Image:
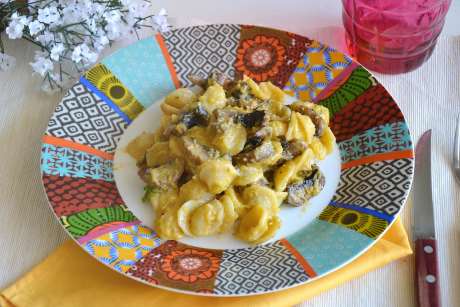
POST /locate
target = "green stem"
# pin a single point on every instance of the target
(36, 43)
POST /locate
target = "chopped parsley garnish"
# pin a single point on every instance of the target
(148, 191)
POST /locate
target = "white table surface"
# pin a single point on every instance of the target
(429, 97)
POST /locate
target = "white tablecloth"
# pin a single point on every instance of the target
(429, 97)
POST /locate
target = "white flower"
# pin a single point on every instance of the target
(42, 65)
(45, 38)
(82, 53)
(6, 62)
(35, 27)
(160, 21)
(16, 26)
(139, 7)
(101, 40)
(112, 16)
(48, 15)
(76, 55)
(113, 31)
(56, 51)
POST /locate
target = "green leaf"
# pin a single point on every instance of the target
(148, 191)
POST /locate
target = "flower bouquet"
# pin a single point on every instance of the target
(71, 34)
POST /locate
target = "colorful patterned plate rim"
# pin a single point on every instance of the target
(79, 144)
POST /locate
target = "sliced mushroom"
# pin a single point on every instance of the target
(251, 143)
(196, 152)
(143, 173)
(223, 119)
(310, 184)
(253, 119)
(292, 149)
(196, 117)
(317, 120)
(167, 175)
(197, 80)
(259, 153)
(215, 77)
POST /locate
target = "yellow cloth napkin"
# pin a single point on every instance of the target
(71, 277)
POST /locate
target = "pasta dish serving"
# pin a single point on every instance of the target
(228, 155)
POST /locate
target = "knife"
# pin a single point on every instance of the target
(426, 261)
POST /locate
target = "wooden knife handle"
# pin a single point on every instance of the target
(427, 275)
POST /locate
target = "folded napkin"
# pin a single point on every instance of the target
(71, 277)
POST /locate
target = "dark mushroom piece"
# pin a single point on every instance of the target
(259, 153)
(251, 143)
(291, 149)
(167, 175)
(196, 117)
(216, 77)
(253, 119)
(223, 119)
(144, 174)
(196, 152)
(317, 120)
(197, 80)
(311, 184)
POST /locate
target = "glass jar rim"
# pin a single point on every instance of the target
(392, 13)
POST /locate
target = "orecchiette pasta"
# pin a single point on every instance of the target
(207, 219)
(194, 189)
(319, 150)
(226, 160)
(300, 127)
(213, 98)
(254, 224)
(231, 141)
(248, 174)
(218, 175)
(177, 100)
(288, 170)
(166, 224)
(137, 147)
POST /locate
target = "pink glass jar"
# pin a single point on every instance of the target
(393, 36)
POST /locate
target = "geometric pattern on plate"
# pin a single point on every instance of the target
(69, 195)
(63, 161)
(356, 83)
(84, 118)
(326, 246)
(380, 139)
(111, 89)
(363, 223)
(141, 67)
(179, 266)
(379, 186)
(258, 269)
(318, 67)
(203, 49)
(265, 54)
(79, 224)
(372, 108)
(121, 248)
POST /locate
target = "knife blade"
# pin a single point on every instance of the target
(423, 198)
(426, 262)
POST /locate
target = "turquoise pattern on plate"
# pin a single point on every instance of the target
(380, 139)
(326, 246)
(142, 68)
(63, 161)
